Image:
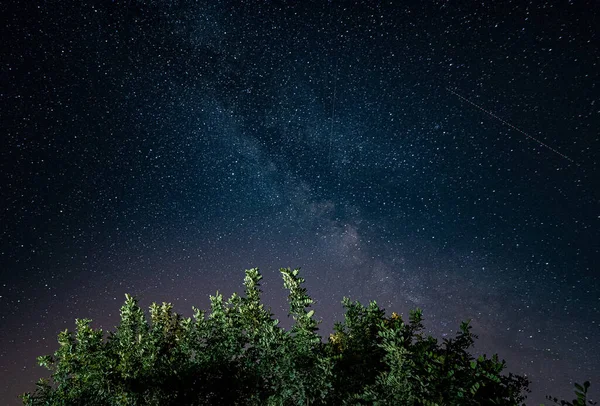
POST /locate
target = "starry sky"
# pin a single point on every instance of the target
(439, 154)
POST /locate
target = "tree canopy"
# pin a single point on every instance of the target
(237, 354)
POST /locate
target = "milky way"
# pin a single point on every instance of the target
(161, 148)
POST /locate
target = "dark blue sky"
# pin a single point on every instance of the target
(161, 148)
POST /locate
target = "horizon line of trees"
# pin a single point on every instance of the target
(239, 355)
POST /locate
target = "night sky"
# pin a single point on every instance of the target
(437, 154)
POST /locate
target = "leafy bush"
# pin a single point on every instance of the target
(238, 355)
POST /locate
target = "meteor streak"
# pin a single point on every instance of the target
(489, 113)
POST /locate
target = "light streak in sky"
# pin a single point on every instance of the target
(489, 113)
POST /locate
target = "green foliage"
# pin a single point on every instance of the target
(238, 355)
(581, 400)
